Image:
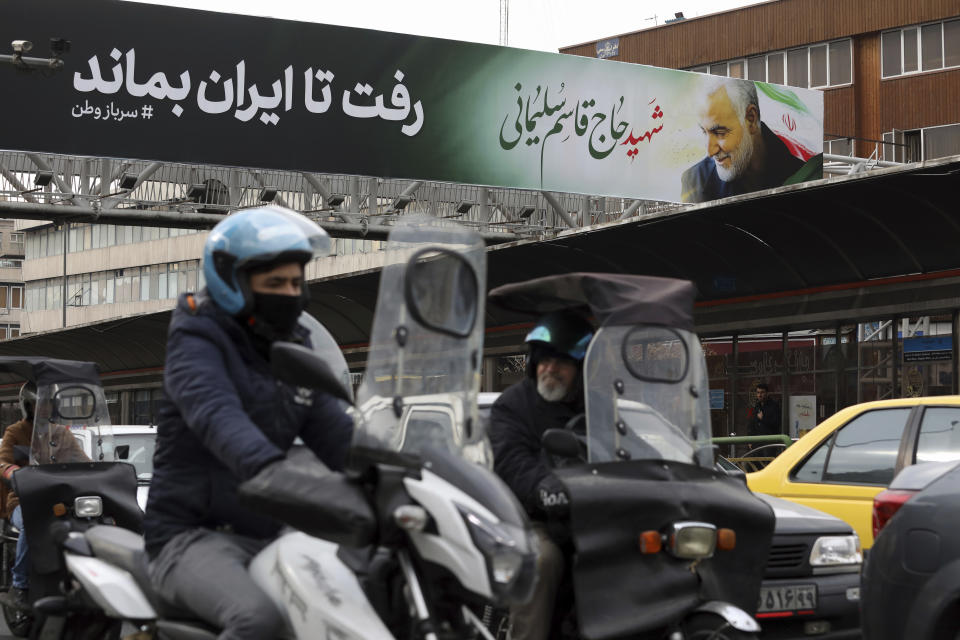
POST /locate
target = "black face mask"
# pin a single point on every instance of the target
(278, 312)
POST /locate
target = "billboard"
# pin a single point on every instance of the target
(163, 83)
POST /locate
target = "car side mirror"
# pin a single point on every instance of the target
(299, 366)
(561, 442)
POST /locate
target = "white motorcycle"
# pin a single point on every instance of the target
(414, 539)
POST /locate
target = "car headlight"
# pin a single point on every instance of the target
(88, 507)
(509, 552)
(831, 551)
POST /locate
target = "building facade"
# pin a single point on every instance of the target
(889, 70)
(890, 76)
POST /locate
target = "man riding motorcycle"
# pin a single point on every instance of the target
(18, 434)
(17, 439)
(225, 417)
(548, 397)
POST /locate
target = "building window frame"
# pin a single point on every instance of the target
(781, 55)
(918, 29)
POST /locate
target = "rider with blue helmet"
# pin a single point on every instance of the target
(548, 397)
(224, 417)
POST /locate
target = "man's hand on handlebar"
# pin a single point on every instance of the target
(552, 497)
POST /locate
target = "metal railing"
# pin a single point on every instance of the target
(94, 185)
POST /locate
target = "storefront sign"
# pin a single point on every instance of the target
(927, 348)
(716, 399)
(163, 83)
(608, 48)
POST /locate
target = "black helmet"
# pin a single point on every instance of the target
(559, 333)
(28, 400)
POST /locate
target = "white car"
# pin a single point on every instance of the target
(140, 442)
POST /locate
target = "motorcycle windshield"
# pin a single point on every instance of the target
(645, 391)
(325, 346)
(71, 424)
(423, 367)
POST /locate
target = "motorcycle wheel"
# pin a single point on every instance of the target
(18, 621)
(707, 626)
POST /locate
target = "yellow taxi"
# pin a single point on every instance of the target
(844, 462)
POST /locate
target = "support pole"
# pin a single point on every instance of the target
(559, 209)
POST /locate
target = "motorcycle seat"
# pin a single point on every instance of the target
(122, 548)
(125, 549)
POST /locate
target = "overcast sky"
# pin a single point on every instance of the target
(545, 25)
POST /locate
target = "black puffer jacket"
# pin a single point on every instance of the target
(517, 421)
(224, 417)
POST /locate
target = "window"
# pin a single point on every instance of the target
(910, 55)
(931, 46)
(841, 147)
(797, 67)
(840, 63)
(145, 402)
(172, 281)
(775, 68)
(939, 142)
(864, 451)
(16, 297)
(939, 439)
(951, 43)
(818, 66)
(916, 49)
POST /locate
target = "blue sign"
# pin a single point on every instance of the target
(927, 348)
(716, 399)
(608, 48)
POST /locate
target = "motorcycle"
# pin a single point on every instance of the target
(73, 480)
(416, 537)
(665, 546)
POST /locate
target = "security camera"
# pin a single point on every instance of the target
(21, 46)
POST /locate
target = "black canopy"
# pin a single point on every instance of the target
(611, 298)
(43, 371)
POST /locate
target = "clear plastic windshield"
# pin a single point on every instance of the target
(325, 346)
(71, 424)
(646, 396)
(423, 368)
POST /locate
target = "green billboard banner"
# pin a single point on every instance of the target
(162, 83)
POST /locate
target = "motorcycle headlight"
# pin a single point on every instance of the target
(831, 551)
(88, 507)
(510, 556)
(691, 540)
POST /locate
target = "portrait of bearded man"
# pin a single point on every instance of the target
(743, 154)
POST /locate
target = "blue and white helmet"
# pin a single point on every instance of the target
(254, 238)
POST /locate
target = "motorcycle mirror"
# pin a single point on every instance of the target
(561, 442)
(299, 366)
(121, 452)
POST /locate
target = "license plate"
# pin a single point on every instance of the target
(788, 598)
